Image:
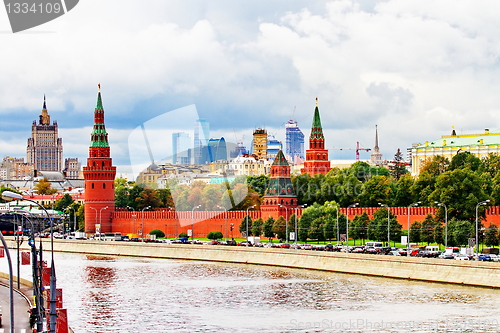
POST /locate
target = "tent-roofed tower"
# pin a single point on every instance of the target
(280, 196)
(99, 175)
(317, 161)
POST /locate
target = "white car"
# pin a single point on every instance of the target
(462, 257)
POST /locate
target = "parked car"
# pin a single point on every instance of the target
(462, 257)
(245, 243)
(285, 246)
(484, 257)
(445, 255)
(329, 247)
(307, 247)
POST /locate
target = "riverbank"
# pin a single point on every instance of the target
(471, 273)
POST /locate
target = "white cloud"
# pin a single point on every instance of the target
(414, 67)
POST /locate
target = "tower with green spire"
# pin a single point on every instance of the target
(99, 175)
(280, 196)
(317, 161)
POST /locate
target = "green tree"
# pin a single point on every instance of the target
(308, 215)
(329, 227)
(416, 227)
(491, 235)
(258, 183)
(267, 228)
(439, 234)
(148, 197)
(214, 235)
(398, 168)
(243, 225)
(43, 187)
(183, 235)
(374, 190)
(279, 228)
(465, 160)
(157, 232)
(257, 227)
(317, 228)
(427, 229)
(460, 190)
(64, 202)
(459, 232)
(490, 164)
(402, 195)
(358, 229)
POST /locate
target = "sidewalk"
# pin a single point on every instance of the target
(22, 305)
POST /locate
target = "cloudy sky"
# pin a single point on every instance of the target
(415, 68)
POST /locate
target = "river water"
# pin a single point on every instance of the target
(119, 294)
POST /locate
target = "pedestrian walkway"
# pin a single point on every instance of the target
(21, 307)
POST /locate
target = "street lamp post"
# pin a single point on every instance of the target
(225, 213)
(286, 222)
(296, 218)
(247, 223)
(11, 281)
(8, 195)
(388, 223)
(482, 203)
(96, 218)
(142, 226)
(409, 226)
(445, 222)
(347, 222)
(192, 222)
(100, 217)
(74, 217)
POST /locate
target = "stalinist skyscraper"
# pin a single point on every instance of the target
(45, 150)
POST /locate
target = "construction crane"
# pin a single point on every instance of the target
(357, 149)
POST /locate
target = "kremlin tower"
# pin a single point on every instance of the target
(99, 175)
(316, 156)
(280, 196)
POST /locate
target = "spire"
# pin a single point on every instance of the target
(99, 136)
(376, 139)
(44, 104)
(99, 101)
(317, 130)
(453, 133)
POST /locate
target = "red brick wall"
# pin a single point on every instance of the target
(173, 223)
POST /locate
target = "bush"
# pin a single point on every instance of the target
(215, 235)
(183, 235)
(157, 232)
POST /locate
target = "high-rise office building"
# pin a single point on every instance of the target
(273, 147)
(259, 143)
(294, 141)
(45, 150)
(217, 150)
(201, 136)
(180, 148)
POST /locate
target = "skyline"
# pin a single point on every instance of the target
(414, 68)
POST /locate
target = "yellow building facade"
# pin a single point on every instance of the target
(480, 145)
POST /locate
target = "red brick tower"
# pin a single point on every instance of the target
(316, 156)
(99, 175)
(280, 196)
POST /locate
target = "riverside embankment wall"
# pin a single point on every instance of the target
(473, 273)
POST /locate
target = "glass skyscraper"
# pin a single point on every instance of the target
(294, 141)
(201, 137)
(180, 148)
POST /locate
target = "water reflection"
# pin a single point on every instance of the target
(137, 295)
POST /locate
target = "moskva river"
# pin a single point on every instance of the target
(118, 294)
